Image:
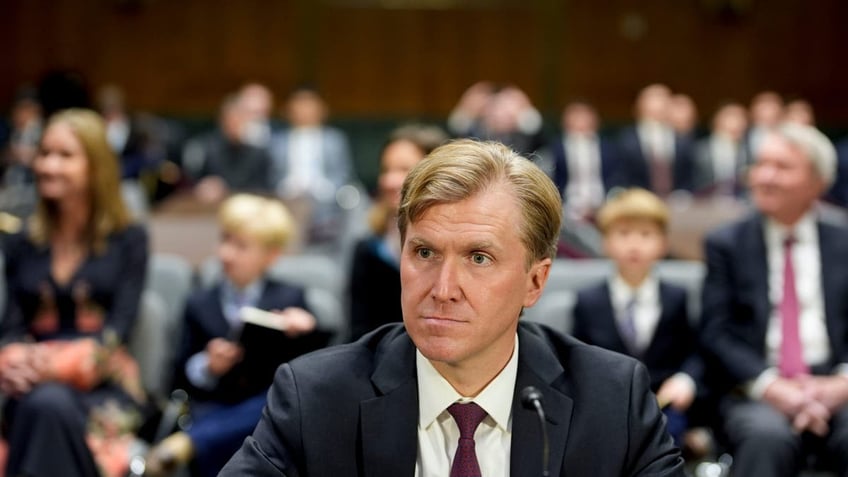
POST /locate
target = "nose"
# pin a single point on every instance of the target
(763, 174)
(47, 162)
(447, 286)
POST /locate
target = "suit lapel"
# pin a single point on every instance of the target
(753, 248)
(607, 319)
(389, 422)
(215, 323)
(538, 367)
(831, 282)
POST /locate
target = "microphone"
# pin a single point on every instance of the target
(531, 398)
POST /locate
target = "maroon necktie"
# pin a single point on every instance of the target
(467, 416)
(791, 360)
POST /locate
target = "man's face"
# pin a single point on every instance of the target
(783, 183)
(465, 279)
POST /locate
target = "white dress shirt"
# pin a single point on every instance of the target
(647, 307)
(438, 433)
(585, 190)
(724, 153)
(806, 261)
(306, 165)
(657, 140)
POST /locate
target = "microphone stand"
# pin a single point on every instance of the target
(531, 398)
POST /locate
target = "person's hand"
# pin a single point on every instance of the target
(676, 392)
(210, 190)
(830, 391)
(787, 396)
(17, 373)
(223, 355)
(297, 321)
(813, 417)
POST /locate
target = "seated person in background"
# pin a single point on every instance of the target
(775, 330)
(637, 314)
(226, 159)
(375, 273)
(722, 158)
(651, 154)
(226, 365)
(75, 277)
(311, 162)
(583, 162)
(497, 113)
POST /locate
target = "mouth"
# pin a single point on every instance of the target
(441, 319)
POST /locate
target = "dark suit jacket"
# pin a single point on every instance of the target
(352, 410)
(264, 349)
(374, 289)
(736, 306)
(632, 169)
(561, 173)
(241, 166)
(673, 347)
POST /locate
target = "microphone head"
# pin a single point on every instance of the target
(529, 396)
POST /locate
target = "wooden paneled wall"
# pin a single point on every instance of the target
(180, 57)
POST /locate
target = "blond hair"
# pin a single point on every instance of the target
(263, 219)
(462, 168)
(108, 214)
(633, 204)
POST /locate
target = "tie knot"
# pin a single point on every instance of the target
(467, 416)
(789, 240)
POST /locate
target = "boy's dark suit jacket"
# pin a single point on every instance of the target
(736, 306)
(673, 347)
(352, 410)
(264, 349)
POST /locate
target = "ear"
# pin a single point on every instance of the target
(536, 279)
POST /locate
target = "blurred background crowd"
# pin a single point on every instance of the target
(325, 105)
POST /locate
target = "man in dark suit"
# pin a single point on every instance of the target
(635, 313)
(583, 162)
(775, 305)
(651, 155)
(441, 394)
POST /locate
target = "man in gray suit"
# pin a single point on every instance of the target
(444, 393)
(311, 161)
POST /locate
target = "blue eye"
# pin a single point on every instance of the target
(480, 259)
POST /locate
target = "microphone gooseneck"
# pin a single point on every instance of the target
(531, 398)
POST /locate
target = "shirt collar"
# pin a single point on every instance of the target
(435, 394)
(803, 232)
(251, 293)
(622, 293)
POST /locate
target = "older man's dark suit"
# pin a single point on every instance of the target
(672, 348)
(736, 307)
(736, 304)
(353, 410)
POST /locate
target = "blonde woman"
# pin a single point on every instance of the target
(75, 276)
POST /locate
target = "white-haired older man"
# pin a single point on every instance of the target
(775, 322)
